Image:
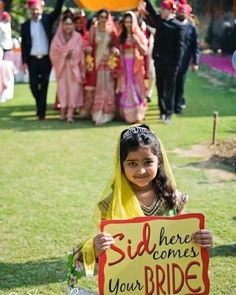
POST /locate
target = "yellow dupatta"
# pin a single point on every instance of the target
(118, 201)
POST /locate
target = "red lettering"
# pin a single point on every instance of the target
(191, 277)
(168, 278)
(181, 283)
(143, 245)
(160, 282)
(148, 279)
(118, 250)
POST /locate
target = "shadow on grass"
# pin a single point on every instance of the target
(223, 251)
(227, 164)
(32, 273)
(23, 118)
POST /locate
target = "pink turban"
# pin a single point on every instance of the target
(32, 3)
(185, 8)
(169, 5)
(6, 16)
(183, 1)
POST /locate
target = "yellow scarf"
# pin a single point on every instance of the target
(118, 201)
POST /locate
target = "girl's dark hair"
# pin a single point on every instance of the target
(162, 184)
(102, 11)
(67, 14)
(124, 33)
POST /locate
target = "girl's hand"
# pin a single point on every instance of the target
(102, 242)
(204, 238)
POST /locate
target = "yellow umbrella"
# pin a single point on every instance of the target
(112, 5)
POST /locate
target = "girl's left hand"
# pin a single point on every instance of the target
(204, 238)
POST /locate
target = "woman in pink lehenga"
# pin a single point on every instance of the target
(100, 84)
(131, 87)
(67, 56)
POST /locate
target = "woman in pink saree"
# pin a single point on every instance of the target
(100, 83)
(131, 87)
(67, 56)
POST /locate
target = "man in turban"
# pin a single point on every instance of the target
(167, 53)
(36, 35)
(191, 53)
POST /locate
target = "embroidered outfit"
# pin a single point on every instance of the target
(69, 71)
(100, 79)
(131, 87)
(119, 201)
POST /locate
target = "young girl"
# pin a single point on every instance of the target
(131, 87)
(143, 185)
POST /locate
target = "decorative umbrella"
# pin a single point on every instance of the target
(112, 5)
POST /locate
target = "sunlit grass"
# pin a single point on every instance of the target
(52, 173)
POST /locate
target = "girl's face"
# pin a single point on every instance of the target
(128, 23)
(67, 26)
(140, 167)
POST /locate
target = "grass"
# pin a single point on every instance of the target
(52, 173)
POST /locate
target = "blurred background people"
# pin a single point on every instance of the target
(36, 35)
(80, 25)
(100, 83)
(131, 86)
(167, 53)
(150, 68)
(7, 71)
(191, 54)
(6, 42)
(67, 56)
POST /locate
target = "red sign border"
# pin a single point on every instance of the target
(204, 252)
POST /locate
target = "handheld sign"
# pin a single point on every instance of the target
(154, 256)
(112, 5)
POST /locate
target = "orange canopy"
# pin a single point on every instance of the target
(112, 5)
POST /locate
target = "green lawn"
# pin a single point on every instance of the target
(53, 172)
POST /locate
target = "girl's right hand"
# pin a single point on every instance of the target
(102, 242)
